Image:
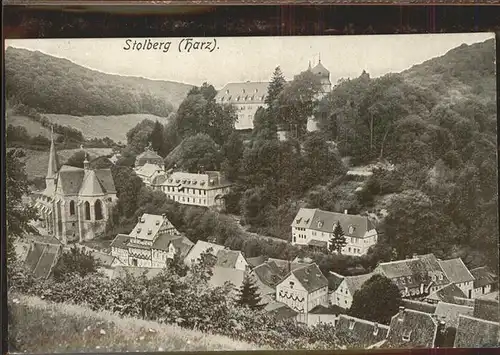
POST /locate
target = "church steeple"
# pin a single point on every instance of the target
(86, 164)
(53, 167)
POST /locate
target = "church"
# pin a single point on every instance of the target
(76, 202)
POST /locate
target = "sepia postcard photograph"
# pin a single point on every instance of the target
(252, 193)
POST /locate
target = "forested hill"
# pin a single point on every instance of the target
(468, 70)
(54, 85)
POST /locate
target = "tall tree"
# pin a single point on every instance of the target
(232, 152)
(338, 241)
(18, 214)
(377, 300)
(75, 261)
(157, 138)
(139, 136)
(78, 158)
(249, 294)
(275, 87)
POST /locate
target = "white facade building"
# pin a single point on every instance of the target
(315, 227)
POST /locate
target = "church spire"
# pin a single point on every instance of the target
(53, 162)
(86, 164)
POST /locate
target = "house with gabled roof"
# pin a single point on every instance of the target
(343, 295)
(149, 156)
(361, 333)
(267, 276)
(448, 293)
(199, 248)
(303, 289)
(484, 281)
(151, 243)
(256, 261)
(315, 227)
(148, 172)
(232, 259)
(476, 333)
(414, 277)
(458, 274)
(412, 329)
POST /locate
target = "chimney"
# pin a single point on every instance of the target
(345, 211)
(401, 313)
(375, 328)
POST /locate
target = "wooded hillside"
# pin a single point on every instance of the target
(54, 85)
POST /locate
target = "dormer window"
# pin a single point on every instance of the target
(157, 223)
(375, 330)
(307, 220)
(441, 277)
(407, 335)
(243, 90)
(143, 220)
(256, 90)
(351, 324)
(227, 92)
(320, 224)
(238, 98)
(351, 229)
(138, 230)
(298, 220)
(150, 231)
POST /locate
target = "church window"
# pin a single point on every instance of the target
(98, 210)
(87, 210)
(72, 208)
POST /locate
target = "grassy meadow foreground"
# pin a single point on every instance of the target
(40, 326)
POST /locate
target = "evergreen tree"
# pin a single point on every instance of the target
(338, 241)
(275, 87)
(157, 138)
(249, 294)
(176, 264)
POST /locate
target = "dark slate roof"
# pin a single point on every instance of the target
(269, 273)
(283, 312)
(286, 266)
(476, 333)
(325, 221)
(419, 306)
(362, 332)
(446, 294)
(334, 280)
(182, 245)
(456, 271)
(449, 313)
(310, 277)
(354, 283)
(227, 258)
(163, 241)
(243, 93)
(487, 309)
(148, 156)
(71, 180)
(320, 70)
(319, 309)
(91, 186)
(104, 259)
(419, 327)
(120, 241)
(256, 261)
(42, 257)
(483, 276)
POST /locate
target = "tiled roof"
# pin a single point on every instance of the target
(71, 181)
(148, 170)
(227, 258)
(412, 329)
(41, 257)
(362, 332)
(163, 241)
(104, 259)
(199, 248)
(483, 276)
(182, 245)
(354, 283)
(120, 241)
(323, 221)
(446, 294)
(413, 272)
(320, 70)
(256, 261)
(334, 280)
(487, 309)
(243, 93)
(319, 309)
(282, 311)
(310, 277)
(269, 273)
(91, 185)
(286, 266)
(476, 333)
(208, 180)
(148, 226)
(419, 306)
(53, 165)
(449, 312)
(221, 275)
(456, 271)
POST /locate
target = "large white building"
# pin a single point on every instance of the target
(207, 190)
(315, 227)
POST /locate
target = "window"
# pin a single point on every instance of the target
(292, 284)
(71, 208)
(87, 210)
(98, 210)
(406, 335)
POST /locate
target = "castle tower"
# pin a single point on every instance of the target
(53, 167)
(324, 75)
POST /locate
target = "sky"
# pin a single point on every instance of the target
(237, 59)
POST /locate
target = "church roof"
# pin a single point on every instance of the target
(53, 166)
(320, 70)
(91, 185)
(74, 181)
